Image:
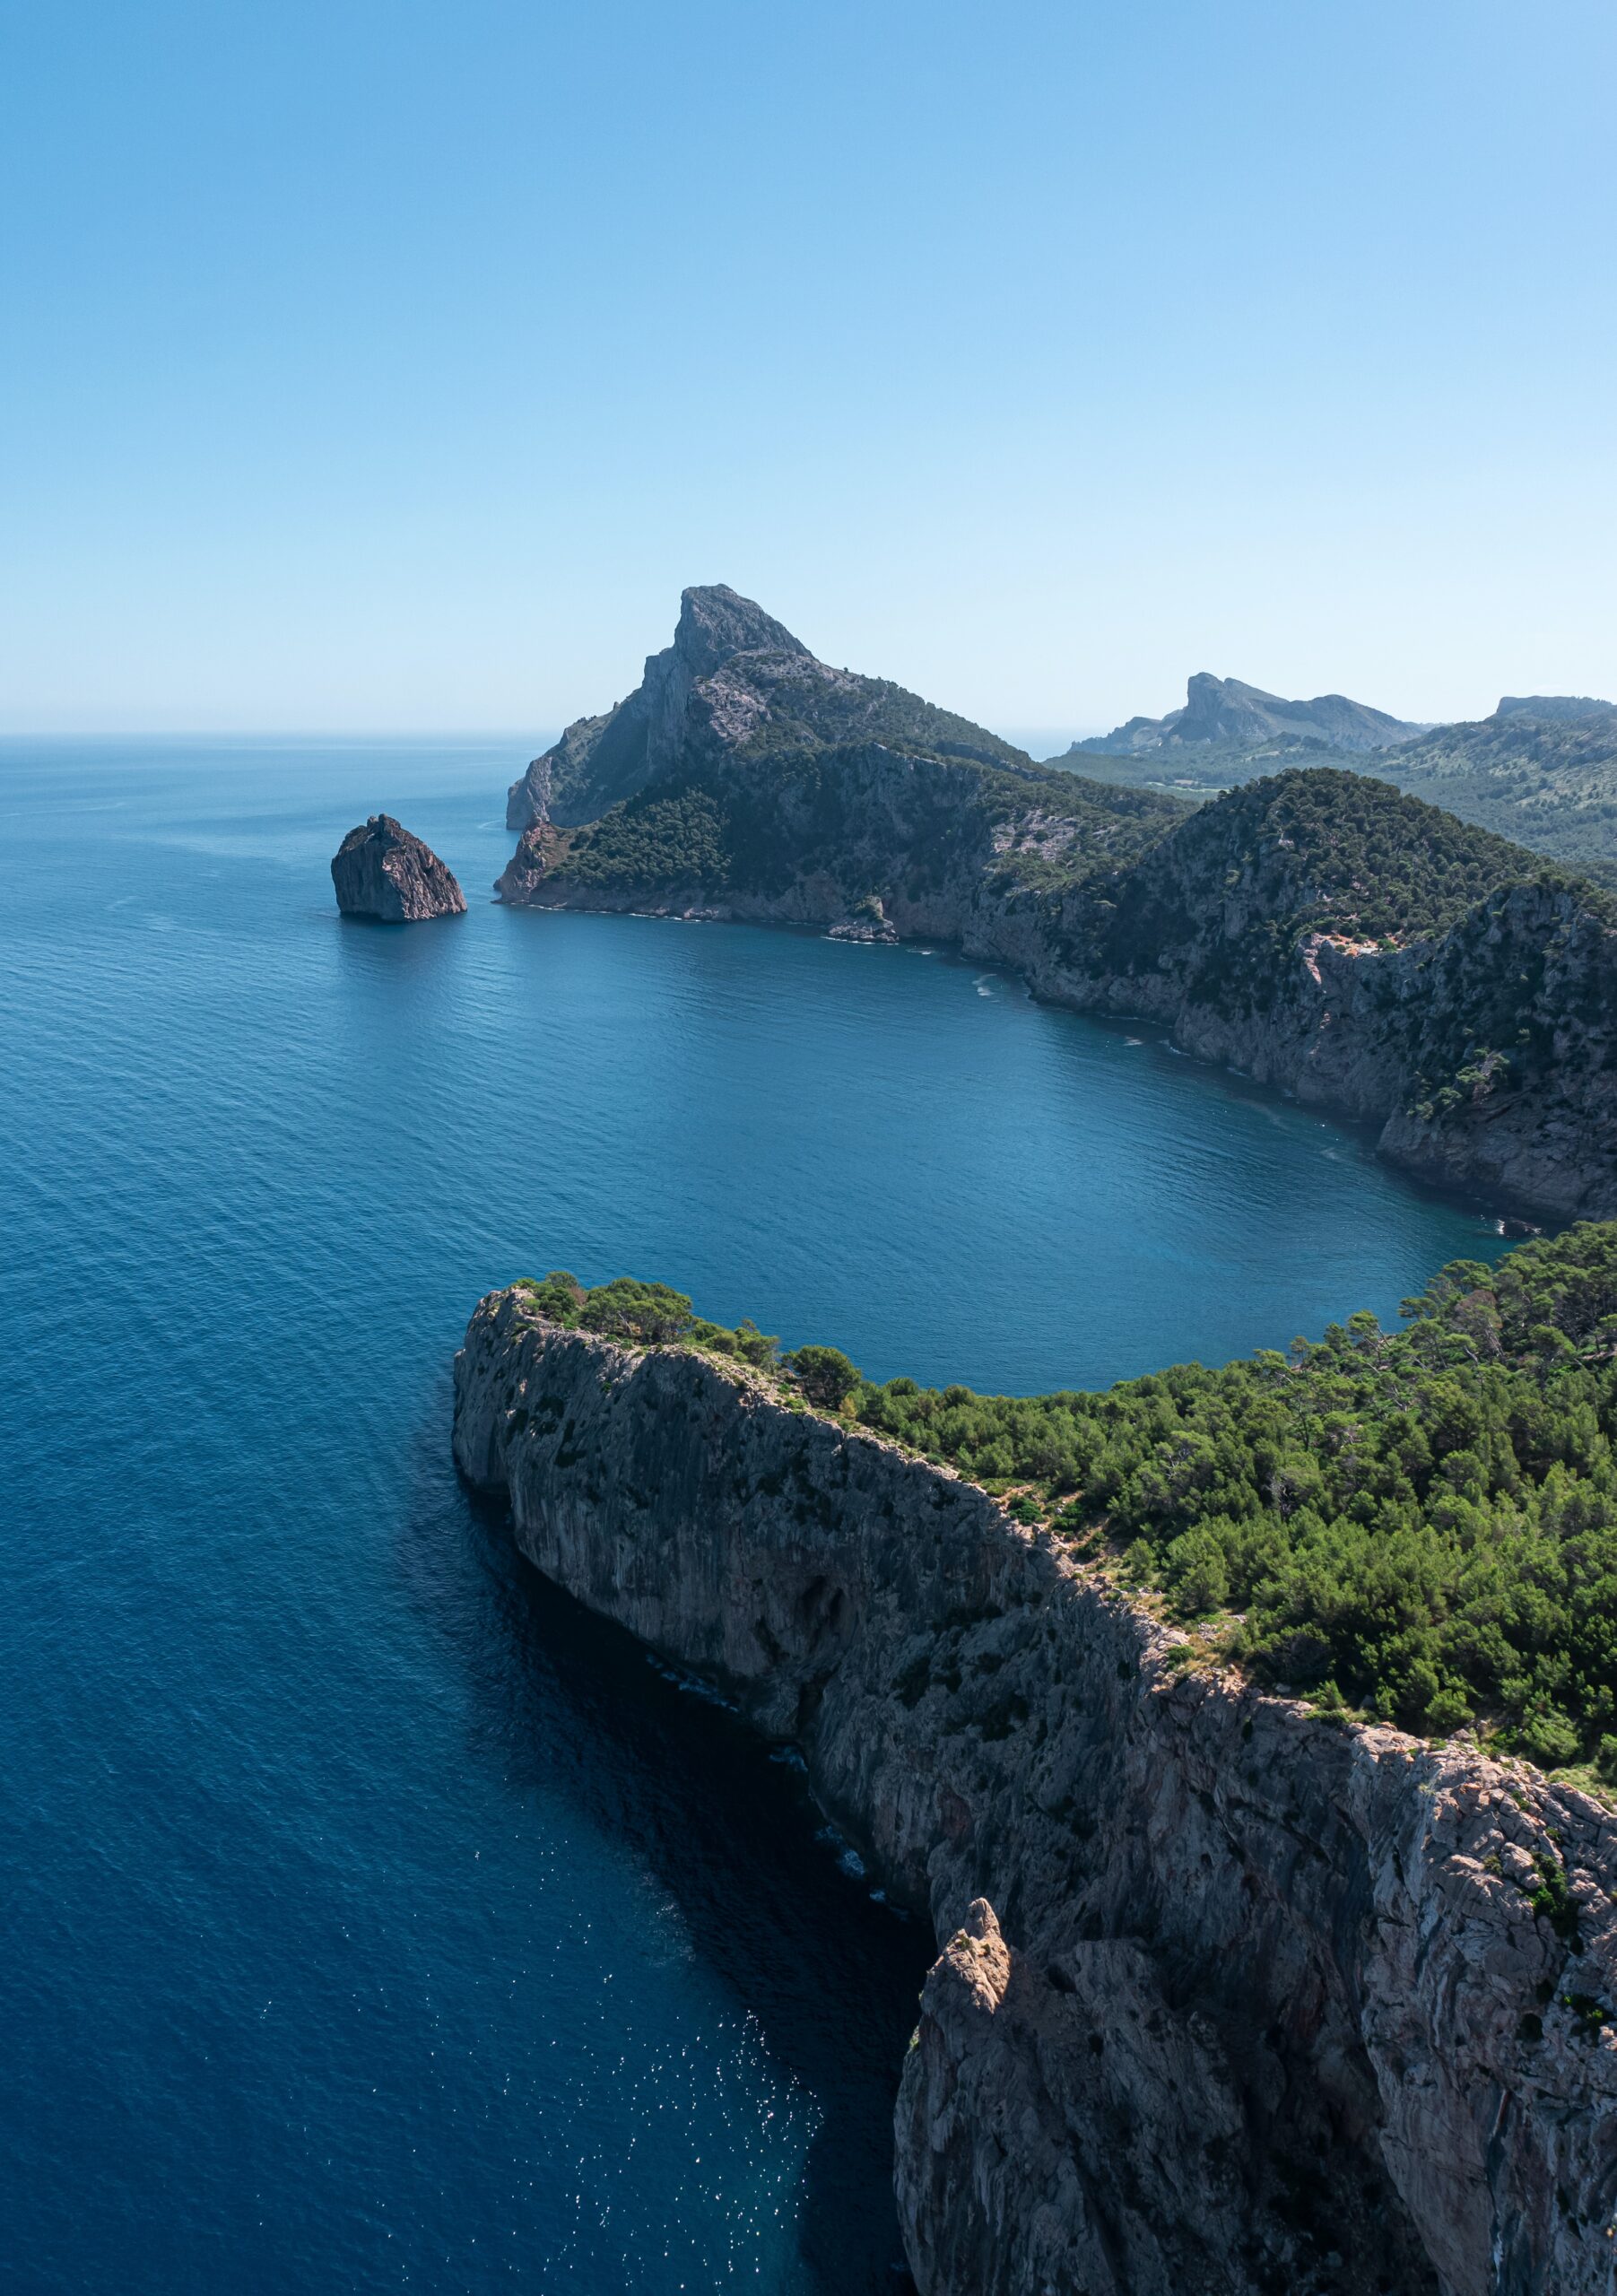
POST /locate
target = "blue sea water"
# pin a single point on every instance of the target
(374, 1920)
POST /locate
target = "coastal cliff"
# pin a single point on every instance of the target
(1318, 930)
(1233, 1996)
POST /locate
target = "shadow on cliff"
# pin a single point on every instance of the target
(569, 1704)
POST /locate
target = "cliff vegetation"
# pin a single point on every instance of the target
(1420, 1524)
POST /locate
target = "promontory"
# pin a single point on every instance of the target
(1316, 928)
(1246, 1736)
(380, 871)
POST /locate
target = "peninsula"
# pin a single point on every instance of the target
(1246, 1981)
(1317, 928)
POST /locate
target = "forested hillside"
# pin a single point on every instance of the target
(1541, 770)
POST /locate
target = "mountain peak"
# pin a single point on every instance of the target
(1228, 711)
(733, 680)
(717, 623)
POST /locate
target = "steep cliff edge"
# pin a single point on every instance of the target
(1231, 1999)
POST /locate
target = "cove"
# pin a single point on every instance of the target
(373, 1919)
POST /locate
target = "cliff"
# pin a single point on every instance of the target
(381, 872)
(1356, 949)
(1233, 1998)
(734, 682)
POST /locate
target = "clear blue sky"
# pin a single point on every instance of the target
(394, 365)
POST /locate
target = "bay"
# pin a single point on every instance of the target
(373, 1919)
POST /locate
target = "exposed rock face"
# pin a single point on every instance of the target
(380, 871)
(599, 760)
(1227, 710)
(734, 676)
(1232, 2001)
(1487, 1054)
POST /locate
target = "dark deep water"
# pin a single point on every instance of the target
(372, 1918)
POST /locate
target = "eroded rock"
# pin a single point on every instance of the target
(1232, 2000)
(380, 871)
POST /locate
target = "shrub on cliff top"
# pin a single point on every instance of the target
(649, 1315)
(825, 1375)
(626, 1308)
(559, 1297)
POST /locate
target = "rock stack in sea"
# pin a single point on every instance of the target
(381, 872)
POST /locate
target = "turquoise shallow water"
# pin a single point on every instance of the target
(371, 1919)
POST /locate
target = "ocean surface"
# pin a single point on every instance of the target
(373, 1919)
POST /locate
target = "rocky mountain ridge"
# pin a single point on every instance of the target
(1232, 1998)
(734, 682)
(1228, 711)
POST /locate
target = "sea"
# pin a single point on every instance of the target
(371, 1918)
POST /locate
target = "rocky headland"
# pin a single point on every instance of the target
(1235, 1998)
(1338, 940)
(381, 872)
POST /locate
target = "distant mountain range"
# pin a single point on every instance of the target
(1541, 770)
(1225, 710)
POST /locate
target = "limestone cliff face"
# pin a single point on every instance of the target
(600, 760)
(380, 871)
(1231, 2000)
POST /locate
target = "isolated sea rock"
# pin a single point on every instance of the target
(380, 871)
(1232, 1999)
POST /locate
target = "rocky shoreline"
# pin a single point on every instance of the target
(1318, 930)
(1344, 1033)
(1232, 1998)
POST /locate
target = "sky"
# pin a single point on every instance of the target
(373, 364)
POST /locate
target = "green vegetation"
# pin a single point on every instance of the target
(1550, 783)
(1423, 1522)
(645, 1314)
(741, 829)
(825, 1375)
(1420, 1523)
(1308, 851)
(810, 708)
(662, 837)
